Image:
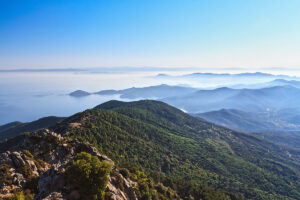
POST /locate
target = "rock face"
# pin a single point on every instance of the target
(117, 194)
(41, 158)
(17, 159)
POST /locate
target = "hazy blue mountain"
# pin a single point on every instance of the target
(153, 92)
(79, 93)
(276, 82)
(255, 74)
(107, 92)
(249, 100)
(293, 83)
(160, 91)
(215, 80)
(15, 128)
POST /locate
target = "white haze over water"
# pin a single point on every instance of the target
(27, 96)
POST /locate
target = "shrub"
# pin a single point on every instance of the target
(39, 163)
(17, 196)
(89, 175)
(27, 153)
(27, 134)
(5, 176)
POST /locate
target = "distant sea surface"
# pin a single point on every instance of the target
(27, 96)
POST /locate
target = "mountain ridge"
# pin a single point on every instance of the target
(15, 128)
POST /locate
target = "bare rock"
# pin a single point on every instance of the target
(116, 194)
(5, 158)
(31, 165)
(18, 179)
(46, 182)
(50, 171)
(93, 151)
(17, 159)
(53, 196)
(129, 189)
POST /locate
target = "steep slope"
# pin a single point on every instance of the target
(173, 146)
(15, 128)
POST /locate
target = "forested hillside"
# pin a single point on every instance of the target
(179, 150)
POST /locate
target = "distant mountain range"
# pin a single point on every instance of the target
(214, 80)
(249, 100)
(152, 92)
(199, 75)
(164, 91)
(277, 105)
(276, 82)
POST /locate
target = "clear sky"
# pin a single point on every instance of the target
(162, 33)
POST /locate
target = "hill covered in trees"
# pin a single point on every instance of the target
(186, 153)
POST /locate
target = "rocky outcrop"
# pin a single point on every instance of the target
(54, 196)
(118, 194)
(42, 158)
(17, 159)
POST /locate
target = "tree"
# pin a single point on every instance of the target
(89, 175)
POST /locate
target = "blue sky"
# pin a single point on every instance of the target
(168, 33)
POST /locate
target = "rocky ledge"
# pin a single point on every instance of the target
(35, 167)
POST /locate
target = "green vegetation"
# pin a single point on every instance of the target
(28, 154)
(88, 174)
(5, 176)
(171, 145)
(16, 196)
(31, 186)
(147, 189)
(154, 186)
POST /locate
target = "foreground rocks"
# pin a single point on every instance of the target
(38, 161)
